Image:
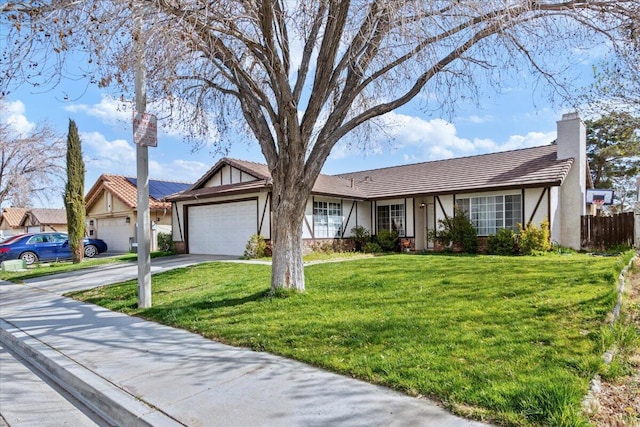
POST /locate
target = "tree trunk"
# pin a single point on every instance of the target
(287, 268)
(289, 201)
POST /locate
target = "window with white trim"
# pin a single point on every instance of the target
(391, 217)
(327, 219)
(491, 213)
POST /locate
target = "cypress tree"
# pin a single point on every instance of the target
(74, 194)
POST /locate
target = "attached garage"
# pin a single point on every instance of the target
(116, 232)
(221, 228)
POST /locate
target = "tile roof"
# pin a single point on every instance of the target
(123, 189)
(13, 216)
(529, 167)
(537, 166)
(45, 216)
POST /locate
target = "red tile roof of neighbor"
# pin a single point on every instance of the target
(121, 188)
(529, 167)
(13, 216)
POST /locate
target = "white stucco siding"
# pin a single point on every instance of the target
(556, 217)
(440, 203)
(531, 198)
(229, 175)
(410, 214)
(307, 224)
(350, 214)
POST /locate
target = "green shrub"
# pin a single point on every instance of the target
(533, 238)
(256, 247)
(371, 248)
(457, 231)
(165, 243)
(361, 237)
(502, 243)
(388, 240)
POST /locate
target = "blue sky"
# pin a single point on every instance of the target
(518, 117)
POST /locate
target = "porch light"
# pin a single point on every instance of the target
(127, 220)
(422, 205)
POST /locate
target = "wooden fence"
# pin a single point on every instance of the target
(604, 232)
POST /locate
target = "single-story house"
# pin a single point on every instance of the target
(111, 210)
(37, 220)
(10, 221)
(219, 213)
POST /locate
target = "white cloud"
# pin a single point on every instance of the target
(109, 111)
(114, 157)
(419, 140)
(435, 138)
(118, 157)
(113, 112)
(480, 119)
(178, 170)
(532, 139)
(14, 116)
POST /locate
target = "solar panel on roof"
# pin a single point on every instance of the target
(161, 189)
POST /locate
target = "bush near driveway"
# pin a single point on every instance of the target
(511, 340)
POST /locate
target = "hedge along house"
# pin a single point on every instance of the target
(219, 213)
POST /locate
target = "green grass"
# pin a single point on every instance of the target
(513, 340)
(45, 269)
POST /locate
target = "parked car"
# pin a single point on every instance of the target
(34, 247)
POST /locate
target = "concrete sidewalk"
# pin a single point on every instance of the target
(135, 372)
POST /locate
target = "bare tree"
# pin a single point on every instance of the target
(304, 74)
(31, 163)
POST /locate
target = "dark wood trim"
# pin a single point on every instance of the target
(535, 210)
(446, 217)
(185, 219)
(264, 211)
(174, 208)
(349, 217)
(522, 206)
(549, 207)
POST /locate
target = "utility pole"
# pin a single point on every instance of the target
(143, 232)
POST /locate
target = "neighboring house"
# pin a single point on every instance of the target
(10, 221)
(219, 213)
(37, 220)
(111, 206)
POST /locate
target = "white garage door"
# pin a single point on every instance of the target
(222, 229)
(116, 232)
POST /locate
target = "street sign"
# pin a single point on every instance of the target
(145, 129)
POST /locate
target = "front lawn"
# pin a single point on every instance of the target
(513, 340)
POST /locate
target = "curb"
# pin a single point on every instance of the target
(113, 404)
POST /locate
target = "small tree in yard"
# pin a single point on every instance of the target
(457, 232)
(74, 194)
(304, 74)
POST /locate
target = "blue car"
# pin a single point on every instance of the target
(36, 247)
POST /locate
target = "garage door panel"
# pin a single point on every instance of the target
(222, 229)
(115, 232)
